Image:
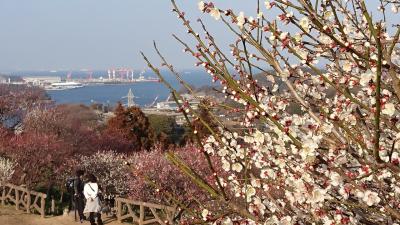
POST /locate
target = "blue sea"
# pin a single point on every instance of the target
(145, 92)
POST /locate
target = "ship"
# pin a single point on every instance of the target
(63, 86)
(143, 79)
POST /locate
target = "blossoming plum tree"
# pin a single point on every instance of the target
(17, 100)
(6, 169)
(110, 168)
(335, 162)
(156, 180)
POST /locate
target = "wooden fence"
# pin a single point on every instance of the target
(148, 212)
(140, 212)
(24, 199)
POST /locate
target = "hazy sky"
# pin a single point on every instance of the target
(96, 34)
(93, 34)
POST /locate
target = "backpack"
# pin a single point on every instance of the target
(69, 184)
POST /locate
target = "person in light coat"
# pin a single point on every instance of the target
(93, 207)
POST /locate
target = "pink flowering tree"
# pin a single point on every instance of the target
(156, 180)
(336, 159)
(17, 100)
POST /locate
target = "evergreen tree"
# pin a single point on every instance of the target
(133, 125)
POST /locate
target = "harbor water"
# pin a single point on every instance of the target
(109, 94)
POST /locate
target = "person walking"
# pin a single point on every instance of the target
(91, 192)
(78, 195)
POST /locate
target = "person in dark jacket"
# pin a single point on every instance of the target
(78, 194)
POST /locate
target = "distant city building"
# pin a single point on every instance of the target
(3, 79)
(167, 105)
(172, 105)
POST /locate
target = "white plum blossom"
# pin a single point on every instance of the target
(237, 167)
(325, 39)
(389, 109)
(201, 5)
(371, 198)
(250, 192)
(204, 214)
(268, 4)
(259, 137)
(283, 35)
(287, 220)
(111, 170)
(308, 148)
(347, 66)
(302, 52)
(310, 144)
(214, 12)
(241, 20)
(318, 195)
(272, 37)
(394, 8)
(367, 77)
(336, 179)
(305, 24)
(7, 169)
(328, 14)
(298, 37)
(226, 165)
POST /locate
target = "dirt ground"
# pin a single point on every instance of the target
(10, 216)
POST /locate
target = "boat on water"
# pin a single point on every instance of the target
(149, 79)
(143, 79)
(63, 86)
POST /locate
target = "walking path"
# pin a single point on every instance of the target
(10, 216)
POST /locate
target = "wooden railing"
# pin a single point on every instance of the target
(148, 212)
(24, 199)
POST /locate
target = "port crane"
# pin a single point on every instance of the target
(69, 75)
(120, 73)
(89, 74)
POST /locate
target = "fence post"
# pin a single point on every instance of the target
(28, 201)
(42, 206)
(53, 205)
(119, 210)
(3, 195)
(141, 219)
(16, 198)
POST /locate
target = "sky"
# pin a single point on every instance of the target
(95, 34)
(99, 34)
